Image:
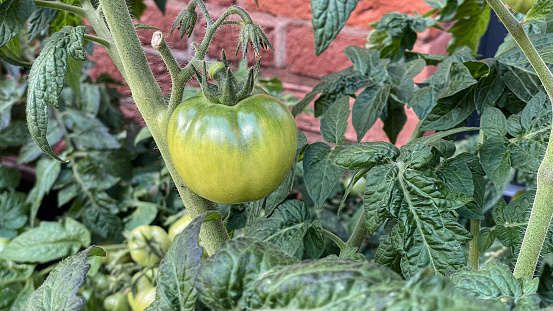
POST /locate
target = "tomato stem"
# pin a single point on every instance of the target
(158, 43)
(151, 104)
(58, 5)
(341, 244)
(542, 210)
(359, 234)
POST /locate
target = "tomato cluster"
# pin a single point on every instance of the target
(125, 279)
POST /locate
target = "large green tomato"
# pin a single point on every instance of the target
(141, 250)
(143, 298)
(232, 154)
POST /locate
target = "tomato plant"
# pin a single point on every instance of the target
(247, 149)
(435, 229)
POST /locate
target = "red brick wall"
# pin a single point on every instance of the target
(287, 23)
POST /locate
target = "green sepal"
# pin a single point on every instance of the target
(228, 90)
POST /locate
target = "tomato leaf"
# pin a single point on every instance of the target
(366, 155)
(541, 9)
(512, 220)
(13, 16)
(450, 78)
(46, 81)
(473, 18)
(161, 5)
(47, 242)
(367, 108)
(380, 196)
(10, 177)
(350, 282)
(328, 18)
(15, 134)
(39, 20)
(524, 82)
(47, 171)
(394, 118)
(495, 159)
(290, 228)
(175, 288)
(450, 111)
(225, 276)
(335, 122)
(30, 151)
(59, 291)
(13, 213)
(15, 293)
(486, 237)
(321, 173)
(100, 219)
(421, 204)
(496, 284)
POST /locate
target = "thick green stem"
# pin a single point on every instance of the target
(474, 253)
(542, 211)
(341, 244)
(58, 5)
(149, 100)
(359, 233)
(101, 28)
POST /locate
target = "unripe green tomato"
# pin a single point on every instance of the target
(3, 243)
(116, 302)
(101, 281)
(142, 300)
(139, 248)
(358, 188)
(117, 256)
(141, 280)
(520, 6)
(178, 226)
(232, 154)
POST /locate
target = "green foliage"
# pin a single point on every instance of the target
(47, 242)
(46, 81)
(310, 244)
(495, 284)
(59, 290)
(329, 17)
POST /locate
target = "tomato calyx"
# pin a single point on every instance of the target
(228, 90)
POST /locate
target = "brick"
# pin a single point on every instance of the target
(371, 11)
(289, 8)
(104, 64)
(300, 51)
(153, 17)
(224, 3)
